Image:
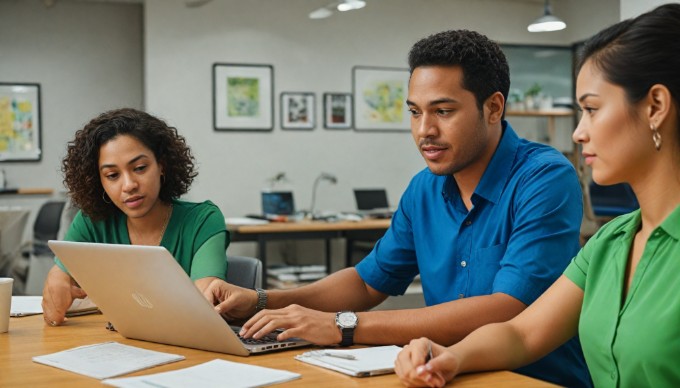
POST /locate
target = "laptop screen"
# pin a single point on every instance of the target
(278, 203)
(369, 199)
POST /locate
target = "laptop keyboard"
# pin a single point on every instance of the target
(267, 339)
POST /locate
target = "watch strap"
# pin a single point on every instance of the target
(347, 337)
(261, 300)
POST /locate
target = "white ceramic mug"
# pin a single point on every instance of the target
(5, 303)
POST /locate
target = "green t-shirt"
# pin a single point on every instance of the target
(636, 342)
(191, 225)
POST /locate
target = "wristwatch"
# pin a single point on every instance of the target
(261, 300)
(346, 321)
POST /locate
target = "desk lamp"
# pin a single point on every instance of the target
(323, 176)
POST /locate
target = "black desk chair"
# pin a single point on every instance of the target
(611, 201)
(244, 272)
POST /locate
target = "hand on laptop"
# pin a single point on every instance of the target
(58, 294)
(231, 301)
(296, 321)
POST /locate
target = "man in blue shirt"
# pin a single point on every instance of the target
(489, 224)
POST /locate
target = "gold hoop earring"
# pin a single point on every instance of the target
(656, 137)
(162, 179)
(104, 198)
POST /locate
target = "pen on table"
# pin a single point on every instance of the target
(339, 355)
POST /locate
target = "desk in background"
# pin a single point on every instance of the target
(29, 337)
(350, 230)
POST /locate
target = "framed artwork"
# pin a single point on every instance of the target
(337, 110)
(243, 97)
(297, 110)
(20, 127)
(380, 98)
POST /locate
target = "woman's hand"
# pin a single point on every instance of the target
(415, 368)
(58, 294)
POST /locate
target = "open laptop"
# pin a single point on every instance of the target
(147, 296)
(277, 203)
(373, 203)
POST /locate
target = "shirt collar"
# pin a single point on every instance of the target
(497, 173)
(671, 224)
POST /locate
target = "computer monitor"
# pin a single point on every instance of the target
(278, 203)
(369, 199)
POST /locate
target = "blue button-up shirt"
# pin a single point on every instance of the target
(518, 238)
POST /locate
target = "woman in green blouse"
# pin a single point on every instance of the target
(621, 293)
(125, 170)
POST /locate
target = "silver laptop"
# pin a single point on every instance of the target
(147, 296)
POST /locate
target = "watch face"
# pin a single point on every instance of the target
(347, 319)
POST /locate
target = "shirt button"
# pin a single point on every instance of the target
(614, 375)
(461, 296)
(463, 264)
(468, 223)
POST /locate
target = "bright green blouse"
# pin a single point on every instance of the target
(634, 343)
(196, 236)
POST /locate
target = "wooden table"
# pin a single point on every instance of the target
(29, 337)
(350, 230)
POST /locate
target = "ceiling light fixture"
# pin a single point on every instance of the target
(342, 6)
(547, 22)
(349, 5)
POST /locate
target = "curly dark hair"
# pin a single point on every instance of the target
(81, 164)
(485, 68)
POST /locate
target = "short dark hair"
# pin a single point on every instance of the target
(81, 170)
(638, 53)
(485, 68)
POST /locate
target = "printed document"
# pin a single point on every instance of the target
(373, 361)
(31, 305)
(108, 359)
(215, 373)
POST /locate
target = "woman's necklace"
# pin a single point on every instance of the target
(138, 238)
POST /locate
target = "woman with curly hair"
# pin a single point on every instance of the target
(125, 170)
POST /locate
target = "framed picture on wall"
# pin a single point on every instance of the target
(243, 97)
(337, 110)
(20, 127)
(380, 98)
(297, 110)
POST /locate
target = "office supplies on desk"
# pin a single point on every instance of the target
(373, 361)
(108, 359)
(131, 283)
(30, 305)
(215, 373)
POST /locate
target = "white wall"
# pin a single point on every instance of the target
(632, 8)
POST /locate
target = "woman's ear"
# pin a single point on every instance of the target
(659, 102)
(494, 105)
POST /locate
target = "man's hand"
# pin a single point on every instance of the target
(415, 368)
(296, 321)
(231, 301)
(58, 294)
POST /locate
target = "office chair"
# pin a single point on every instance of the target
(612, 201)
(12, 225)
(39, 258)
(244, 272)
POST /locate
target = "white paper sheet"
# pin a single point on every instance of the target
(215, 373)
(373, 361)
(32, 305)
(108, 359)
